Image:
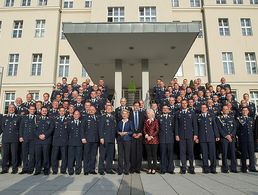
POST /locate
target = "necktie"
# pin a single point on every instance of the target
(136, 120)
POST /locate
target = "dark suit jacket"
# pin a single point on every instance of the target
(141, 121)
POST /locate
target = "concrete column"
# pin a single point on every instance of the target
(118, 82)
(145, 79)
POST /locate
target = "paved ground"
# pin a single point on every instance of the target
(132, 184)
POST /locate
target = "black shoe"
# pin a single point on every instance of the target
(71, 173)
(77, 173)
(171, 172)
(162, 172)
(3, 172)
(14, 172)
(23, 172)
(192, 172)
(101, 173)
(63, 172)
(214, 172)
(111, 172)
(119, 173)
(46, 173)
(29, 172)
(253, 170)
(225, 171)
(205, 171)
(233, 171)
(54, 173)
(36, 173)
(93, 173)
(138, 172)
(244, 171)
(86, 173)
(183, 171)
(126, 173)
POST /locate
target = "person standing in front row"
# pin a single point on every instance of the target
(107, 136)
(151, 135)
(125, 129)
(186, 133)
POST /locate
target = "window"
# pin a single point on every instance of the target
(9, 99)
(35, 95)
(228, 64)
(221, 2)
(147, 14)
(84, 72)
(199, 61)
(250, 61)
(195, 3)
(254, 98)
(40, 28)
(253, 1)
(116, 14)
(88, 3)
(224, 27)
(17, 28)
(179, 72)
(13, 64)
(68, 4)
(175, 3)
(9, 3)
(36, 64)
(26, 2)
(238, 1)
(246, 27)
(42, 2)
(64, 66)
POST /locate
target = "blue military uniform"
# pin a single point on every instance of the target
(227, 126)
(207, 132)
(53, 113)
(245, 132)
(10, 139)
(27, 132)
(90, 132)
(60, 142)
(107, 131)
(79, 107)
(166, 140)
(74, 146)
(186, 128)
(45, 126)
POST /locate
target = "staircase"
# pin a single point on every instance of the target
(131, 97)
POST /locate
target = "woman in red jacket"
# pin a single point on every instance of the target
(151, 131)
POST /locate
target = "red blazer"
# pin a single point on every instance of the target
(152, 129)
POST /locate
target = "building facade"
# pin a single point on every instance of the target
(35, 53)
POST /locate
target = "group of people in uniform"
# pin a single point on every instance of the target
(76, 124)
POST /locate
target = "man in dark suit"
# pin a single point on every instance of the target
(90, 140)
(44, 131)
(251, 106)
(74, 127)
(245, 132)
(227, 128)
(166, 140)
(107, 134)
(207, 135)
(60, 141)
(10, 139)
(138, 119)
(27, 138)
(186, 133)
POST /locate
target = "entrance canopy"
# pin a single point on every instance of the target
(99, 45)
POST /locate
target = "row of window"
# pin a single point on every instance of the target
(66, 3)
(227, 62)
(37, 63)
(246, 27)
(197, 3)
(199, 61)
